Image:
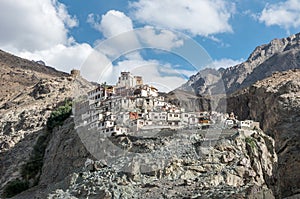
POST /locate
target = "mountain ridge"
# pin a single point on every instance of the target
(278, 55)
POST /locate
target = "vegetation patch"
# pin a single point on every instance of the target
(59, 115)
(251, 142)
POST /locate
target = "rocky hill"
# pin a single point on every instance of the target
(29, 92)
(237, 166)
(275, 103)
(17, 75)
(278, 55)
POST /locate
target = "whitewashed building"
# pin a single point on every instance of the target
(127, 80)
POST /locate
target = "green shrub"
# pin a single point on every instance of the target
(59, 115)
(251, 142)
(15, 187)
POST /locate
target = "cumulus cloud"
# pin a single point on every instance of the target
(203, 18)
(117, 28)
(97, 67)
(34, 25)
(225, 63)
(161, 39)
(121, 37)
(112, 23)
(160, 75)
(123, 40)
(284, 14)
(39, 30)
(62, 57)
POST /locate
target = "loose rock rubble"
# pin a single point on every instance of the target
(233, 168)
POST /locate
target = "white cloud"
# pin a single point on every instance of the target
(284, 14)
(112, 23)
(123, 40)
(97, 67)
(161, 39)
(38, 30)
(162, 76)
(203, 17)
(34, 25)
(63, 14)
(117, 28)
(60, 56)
(225, 63)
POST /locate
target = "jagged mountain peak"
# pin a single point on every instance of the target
(278, 55)
(275, 46)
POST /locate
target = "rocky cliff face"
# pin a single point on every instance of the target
(278, 55)
(275, 103)
(29, 93)
(22, 124)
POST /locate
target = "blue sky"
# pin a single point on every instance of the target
(64, 33)
(247, 32)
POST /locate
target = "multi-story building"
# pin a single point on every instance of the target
(127, 80)
(130, 107)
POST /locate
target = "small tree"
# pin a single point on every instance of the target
(58, 116)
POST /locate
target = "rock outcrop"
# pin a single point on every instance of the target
(275, 103)
(235, 166)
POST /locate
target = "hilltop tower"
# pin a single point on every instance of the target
(75, 73)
